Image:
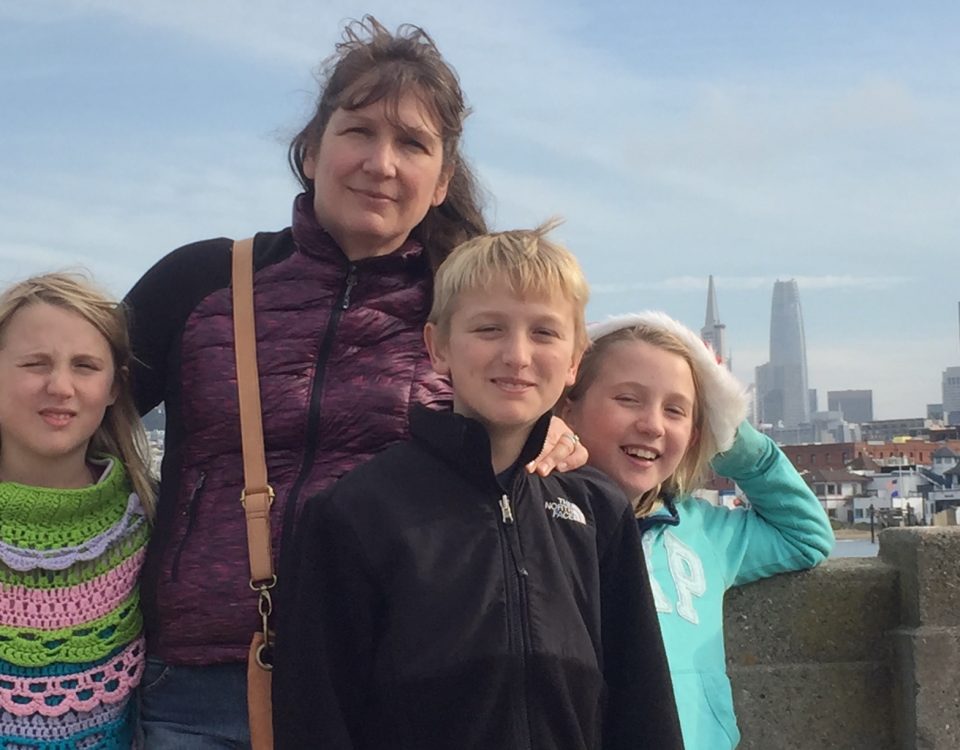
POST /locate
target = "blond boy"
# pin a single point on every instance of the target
(447, 599)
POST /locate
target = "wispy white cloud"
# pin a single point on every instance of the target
(741, 283)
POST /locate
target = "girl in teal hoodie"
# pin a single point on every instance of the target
(655, 410)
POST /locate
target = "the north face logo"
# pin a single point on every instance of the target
(566, 510)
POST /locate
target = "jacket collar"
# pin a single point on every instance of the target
(667, 515)
(464, 443)
(312, 239)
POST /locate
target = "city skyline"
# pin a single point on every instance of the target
(682, 141)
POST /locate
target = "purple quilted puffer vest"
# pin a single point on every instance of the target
(341, 359)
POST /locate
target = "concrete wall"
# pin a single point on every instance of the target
(858, 653)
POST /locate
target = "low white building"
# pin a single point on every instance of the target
(836, 490)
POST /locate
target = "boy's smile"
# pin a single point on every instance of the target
(509, 357)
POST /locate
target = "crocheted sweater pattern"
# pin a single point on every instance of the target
(71, 641)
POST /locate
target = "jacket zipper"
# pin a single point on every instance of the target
(517, 602)
(313, 414)
(191, 513)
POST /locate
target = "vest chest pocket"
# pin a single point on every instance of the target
(191, 513)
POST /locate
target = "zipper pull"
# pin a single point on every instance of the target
(505, 510)
(351, 283)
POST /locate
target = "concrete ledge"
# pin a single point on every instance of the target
(858, 653)
(811, 617)
(809, 657)
(928, 681)
(928, 559)
(802, 707)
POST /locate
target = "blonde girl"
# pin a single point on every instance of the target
(75, 495)
(656, 411)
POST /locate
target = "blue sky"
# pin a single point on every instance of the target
(750, 140)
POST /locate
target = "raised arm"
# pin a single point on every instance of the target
(785, 528)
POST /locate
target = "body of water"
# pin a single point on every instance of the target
(855, 548)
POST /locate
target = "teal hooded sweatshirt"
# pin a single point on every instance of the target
(696, 551)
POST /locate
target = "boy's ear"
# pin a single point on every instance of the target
(574, 366)
(436, 348)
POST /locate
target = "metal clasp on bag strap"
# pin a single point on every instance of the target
(268, 489)
(265, 608)
(262, 585)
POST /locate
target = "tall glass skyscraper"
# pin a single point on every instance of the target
(782, 395)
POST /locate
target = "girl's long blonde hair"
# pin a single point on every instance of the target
(121, 433)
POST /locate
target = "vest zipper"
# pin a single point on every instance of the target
(191, 514)
(313, 414)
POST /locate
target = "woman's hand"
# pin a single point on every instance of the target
(562, 450)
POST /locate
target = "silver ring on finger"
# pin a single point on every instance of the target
(573, 437)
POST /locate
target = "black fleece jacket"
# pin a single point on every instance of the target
(435, 609)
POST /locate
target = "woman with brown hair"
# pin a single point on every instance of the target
(341, 298)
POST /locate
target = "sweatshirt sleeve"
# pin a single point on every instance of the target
(641, 710)
(324, 648)
(158, 306)
(785, 528)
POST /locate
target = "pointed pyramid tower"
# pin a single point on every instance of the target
(714, 332)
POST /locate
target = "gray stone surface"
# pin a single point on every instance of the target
(810, 657)
(928, 685)
(927, 643)
(928, 558)
(838, 612)
(858, 653)
(807, 707)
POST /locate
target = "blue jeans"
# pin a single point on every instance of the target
(194, 708)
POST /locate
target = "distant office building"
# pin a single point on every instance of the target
(935, 411)
(714, 332)
(831, 427)
(889, 429)
(951, 391)
(951, 395)
(856, 406)
(783, 398)
(814, 401)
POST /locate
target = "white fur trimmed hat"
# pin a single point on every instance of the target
(724, 398)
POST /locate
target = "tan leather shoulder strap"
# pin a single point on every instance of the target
(257, 494)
